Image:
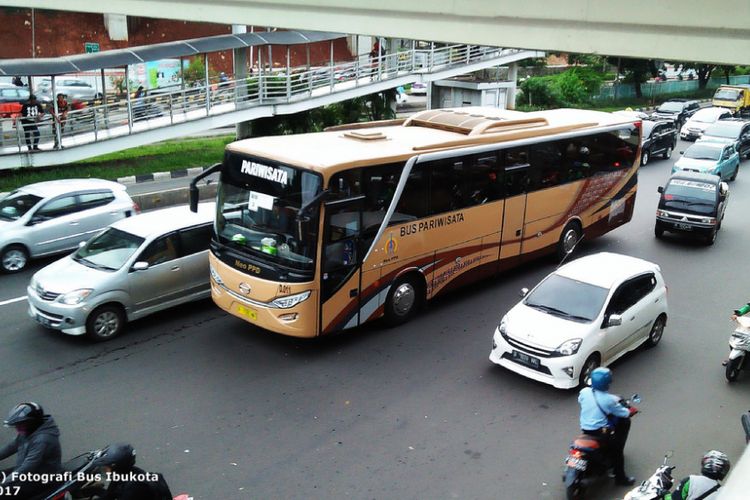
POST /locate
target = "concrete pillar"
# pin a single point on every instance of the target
(242, 129)
(510, 101)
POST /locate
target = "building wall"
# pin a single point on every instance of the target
(60, 33)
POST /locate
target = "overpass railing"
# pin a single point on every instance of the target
(164, 107)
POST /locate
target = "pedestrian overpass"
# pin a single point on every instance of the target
(118, 124)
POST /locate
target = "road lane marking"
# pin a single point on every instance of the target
(10, 301)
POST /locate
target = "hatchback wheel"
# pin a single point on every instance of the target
(105, 323)
(657, 330)
(734, 175)
(14, 258)
(592, 362)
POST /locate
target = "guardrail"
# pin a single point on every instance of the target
(97, 121)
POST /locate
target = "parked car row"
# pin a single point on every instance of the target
(125, 266)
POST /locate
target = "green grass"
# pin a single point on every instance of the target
(161, 157)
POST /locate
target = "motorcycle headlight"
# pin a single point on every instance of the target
(569, 347)
(290, 300)
(75, 297)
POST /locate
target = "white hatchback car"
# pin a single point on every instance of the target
(701, 120)
(588, 313)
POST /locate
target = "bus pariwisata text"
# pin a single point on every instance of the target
(324, 231)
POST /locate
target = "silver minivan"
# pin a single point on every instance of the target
(55, 216)
(136, 267)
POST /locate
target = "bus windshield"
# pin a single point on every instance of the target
(258, 206)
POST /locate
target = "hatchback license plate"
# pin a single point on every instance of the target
(525, 359)
(247, 312)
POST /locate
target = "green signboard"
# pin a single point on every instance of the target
(91, 47)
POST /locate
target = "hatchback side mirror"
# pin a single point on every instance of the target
(614, 320)
(524, 292)
(140, 266)
(81, 244)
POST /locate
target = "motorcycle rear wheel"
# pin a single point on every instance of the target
(733, 368)
(574, 491)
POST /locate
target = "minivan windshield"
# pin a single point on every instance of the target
(16, 204)
(701, 152)
(567, 298)
(687, 190)
(109, 250)
(671, 107)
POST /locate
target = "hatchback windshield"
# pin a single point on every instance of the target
(730, 131)
(705, 116)
(701, 152)
(109, 250)
(16, 204)
(567, 298)
(671, 107)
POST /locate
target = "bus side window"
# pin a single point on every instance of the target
(414, 198)
(546, 163)
(516, 178)
(346, 184)
(448, 184)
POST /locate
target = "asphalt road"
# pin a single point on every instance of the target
(227, 411)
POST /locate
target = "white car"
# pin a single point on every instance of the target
(588, 313)
(701, 120)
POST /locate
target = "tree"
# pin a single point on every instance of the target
(703, 71)
(636, 71)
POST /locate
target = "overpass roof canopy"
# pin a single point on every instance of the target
(134, 55)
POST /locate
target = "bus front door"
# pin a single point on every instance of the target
(341, 275)
(516, 181)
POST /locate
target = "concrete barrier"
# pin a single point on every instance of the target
(179, 196)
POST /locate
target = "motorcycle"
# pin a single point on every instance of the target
(83, 480)
(587, 459)
(739, 344)
(656, 486)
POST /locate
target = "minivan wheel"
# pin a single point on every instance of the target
(658, 230)
(645, 155)
(668, 153)
(105, 323)
(711, 238)
(14, 258)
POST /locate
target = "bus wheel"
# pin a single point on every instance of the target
(404, 299)
(569, 238)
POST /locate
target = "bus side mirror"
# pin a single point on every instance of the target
(660, 189)
(193, 198)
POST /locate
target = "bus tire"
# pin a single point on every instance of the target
(404, 298)
(571, 235)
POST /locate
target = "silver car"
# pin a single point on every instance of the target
(73, 88)
(136, 267)
(55, 216)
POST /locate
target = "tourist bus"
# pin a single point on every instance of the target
(320, 232)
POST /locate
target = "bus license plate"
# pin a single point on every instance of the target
(250, 313)
(525, 359)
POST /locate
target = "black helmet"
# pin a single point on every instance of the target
(118, 456)
(25, 412)
(715, 465)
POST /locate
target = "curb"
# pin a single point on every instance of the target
(159, 176)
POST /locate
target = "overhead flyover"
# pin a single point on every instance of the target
(682, 30)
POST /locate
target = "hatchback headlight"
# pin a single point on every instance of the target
(570, 347)
(503, 325)
(75, 297)
(290, 300)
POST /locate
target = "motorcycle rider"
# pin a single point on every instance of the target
(128, 481)
(714, 467)
(36, 446)
(604, 416)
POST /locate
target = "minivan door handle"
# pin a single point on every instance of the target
(176, 268)
(74, 223)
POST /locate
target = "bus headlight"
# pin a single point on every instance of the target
(215, 276)
(290, 300)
